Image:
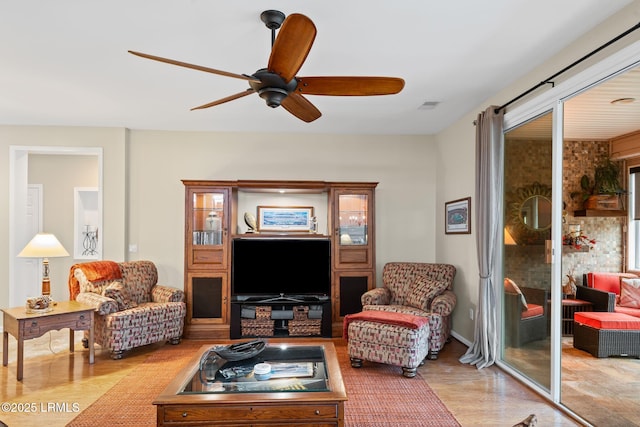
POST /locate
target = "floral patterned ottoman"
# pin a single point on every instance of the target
(397, 339)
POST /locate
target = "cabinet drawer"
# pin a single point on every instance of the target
(207, 256)
(224, 414)
(31, 329)
(354, 256)
(83, 321)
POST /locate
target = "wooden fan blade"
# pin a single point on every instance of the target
(292, 46)
(195, 67)
(300, 107)
(223, 100)
(349, 86)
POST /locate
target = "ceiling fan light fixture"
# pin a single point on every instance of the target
(273, 95)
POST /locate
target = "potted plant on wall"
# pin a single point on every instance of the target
(604, 191)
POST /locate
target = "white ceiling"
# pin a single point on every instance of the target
(65, 62)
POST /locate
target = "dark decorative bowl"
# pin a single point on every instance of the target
(240, 351)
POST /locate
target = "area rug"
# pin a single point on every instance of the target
(379, 396)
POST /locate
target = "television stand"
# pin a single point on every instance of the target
(280, 320)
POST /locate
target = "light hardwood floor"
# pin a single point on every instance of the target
(57, 385)
(604, 391)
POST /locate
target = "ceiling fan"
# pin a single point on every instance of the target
(278, 84)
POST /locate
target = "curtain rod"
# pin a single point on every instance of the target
(548, 80)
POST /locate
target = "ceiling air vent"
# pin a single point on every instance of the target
(428, 105)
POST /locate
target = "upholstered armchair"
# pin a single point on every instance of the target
(421, 289)
(525, 314)
(131, 309)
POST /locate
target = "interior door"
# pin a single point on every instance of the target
(28, 270)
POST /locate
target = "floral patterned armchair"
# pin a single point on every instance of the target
(131, 309)
(421, 289)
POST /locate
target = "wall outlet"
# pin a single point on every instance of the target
(471, 313)
(133, 248)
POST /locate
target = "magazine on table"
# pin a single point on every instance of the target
(292, 369)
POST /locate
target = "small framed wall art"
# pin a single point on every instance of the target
(288, 218)
(457, 216)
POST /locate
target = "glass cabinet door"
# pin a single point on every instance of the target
(208, 214)
(353, 211)
(353, 222)
(208, 221)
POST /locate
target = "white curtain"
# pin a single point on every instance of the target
(488, 193)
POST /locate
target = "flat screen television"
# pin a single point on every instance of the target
(270, 267)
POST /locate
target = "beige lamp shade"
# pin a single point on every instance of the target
(43, 245)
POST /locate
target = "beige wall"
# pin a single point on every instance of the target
(456, 179)
(59, 174)
(144, 195)
(403, 165)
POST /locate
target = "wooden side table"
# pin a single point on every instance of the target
(24, 326)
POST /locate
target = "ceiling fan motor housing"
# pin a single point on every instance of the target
(272, 88)
(273, 19)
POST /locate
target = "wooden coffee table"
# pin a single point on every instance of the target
(24, 326)
(201, 397)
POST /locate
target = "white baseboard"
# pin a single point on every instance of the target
(461, 339)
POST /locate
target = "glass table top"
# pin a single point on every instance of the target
(292, 369)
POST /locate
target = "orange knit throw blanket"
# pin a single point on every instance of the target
(96, 271)
(387, 317)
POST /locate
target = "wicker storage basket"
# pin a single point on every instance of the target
(257, 327)
(305, 327)
(301, 312)
(263, 312)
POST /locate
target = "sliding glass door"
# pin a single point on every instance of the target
(547, 158)
(526, 294)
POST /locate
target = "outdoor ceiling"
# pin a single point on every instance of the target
(594, 114)
(65, 62)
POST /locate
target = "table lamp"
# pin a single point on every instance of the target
(508, 238)
(44, 245)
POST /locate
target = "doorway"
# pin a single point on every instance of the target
(21, 274)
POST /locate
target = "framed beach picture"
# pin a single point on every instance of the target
(285, 218)
(457, 216)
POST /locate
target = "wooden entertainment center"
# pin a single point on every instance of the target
(214, 216)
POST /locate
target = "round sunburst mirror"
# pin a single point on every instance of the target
(530, 214)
